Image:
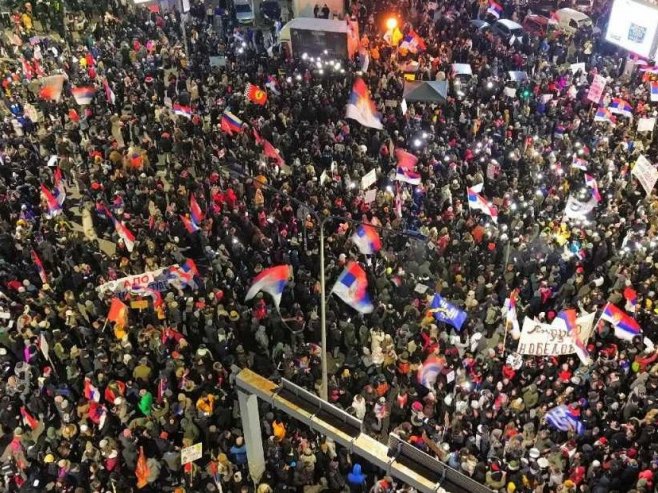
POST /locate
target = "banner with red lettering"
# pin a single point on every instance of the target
(155, 279)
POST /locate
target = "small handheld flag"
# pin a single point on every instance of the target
(190, 225)
(53, 205)
(182, 110)
(37, 261)
(195, 211)
(591, 183)
(83, 95)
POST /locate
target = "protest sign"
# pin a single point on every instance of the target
(646, 124)
(191, 453)
(369, 179)
(153, 279)
(596, 89)
(646, 173)
(371, 195)
(540, 339)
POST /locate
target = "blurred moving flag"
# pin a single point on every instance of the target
(255, 94)
(413, 43)
(272, 84)
(446, 312)
(564, 419)
(182, 110)
(90, 391)
(625, 326)
(591, 183)
(407, 176)
(352, 286)
(190, 224)
(272, 281)
(28, 419)
(605, 115)
(142, 471)
(195, 210)
(59, 191)
(37, 261)
(83, 95)
(495, 9)
(478, 202)
(109, 93)
(230, 123)
(53, 206)
(51, 87)
(630, 295)
(361, 108)
(405, 159)
(367, 239)
(430, 370)
(118, 313)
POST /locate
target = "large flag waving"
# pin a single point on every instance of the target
(625, 326)
(124, 233)
(367, 239)
(564, 419)
(568, 320)
(268, 149)
(118, 313)
(405, 159)
(273, 281)
(255, 94)
(361, 108)
(352, 288)
(83, 95)
(446, 312)
(230, 123)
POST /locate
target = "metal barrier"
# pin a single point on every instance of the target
(432, 468)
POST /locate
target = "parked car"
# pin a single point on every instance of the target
(244, 11)
(270, 10)
(480, 25)
(537, 25)
(506, 28)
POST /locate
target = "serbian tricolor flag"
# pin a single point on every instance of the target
(53, 206)
(630, 295)
(621, 107)
(182, 110)
(90, 392)
(272, 84)
(189, 224)
(28, 419)
(625, 326)
(352, 288)
(361, 108)
(568, 320)
(367, 239)
(405, 159)
(430, 370)
(51, 87)
(255, 94)
(604, 115)
(478, 202)
(495, 9)
(59, 191)
(195, 210)
(579, 163)
(230, 123)
(407, 176)
(124, 233)
(272, 281)
(83, 95)
(109, 93)
(413, 43)
(37, 261)
(591, 183)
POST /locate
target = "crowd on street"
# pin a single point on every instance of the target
(199, 158)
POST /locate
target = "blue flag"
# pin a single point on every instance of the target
(562, 418)
(447, 313)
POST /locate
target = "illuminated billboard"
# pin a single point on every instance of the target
(633, 26)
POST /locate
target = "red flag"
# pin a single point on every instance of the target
(37, 261)
(142, 470)
(118, 313)
(29, 420)
(255, 94)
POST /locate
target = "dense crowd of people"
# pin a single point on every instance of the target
(90, 405)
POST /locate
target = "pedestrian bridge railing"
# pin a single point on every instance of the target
(398, 459)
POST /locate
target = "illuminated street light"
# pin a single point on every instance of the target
(391, 23)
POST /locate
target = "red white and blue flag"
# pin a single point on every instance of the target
(190, 225)
(495, 9)
(91, 393)
(53, 205)
(230, 123)
(59, 191)
(621, 107)
(478, 202)
(590, 181)
(407, 176)
(124, 233)
(182, 110)
(367, 239)
(604, 115)
(568, 320)
(625, 326)
(37, 261)
(195, 211)
(405, 159)
(109, 93)
(653, 87)
(413, 43)
(630, 295)
(361, 108)
(352, 288)
(271, 281)
(430, 370)
(83, 95)
(564, 419)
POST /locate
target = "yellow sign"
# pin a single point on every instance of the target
(139, 304)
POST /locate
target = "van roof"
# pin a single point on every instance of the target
(574, 14)
(510, 24)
